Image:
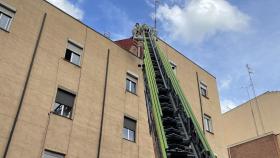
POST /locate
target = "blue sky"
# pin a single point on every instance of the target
(222, 36)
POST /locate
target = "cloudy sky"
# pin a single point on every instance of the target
(220, 35)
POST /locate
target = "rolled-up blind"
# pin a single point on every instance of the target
(129, 124)
(6, 10)
(65, 98)
(75, 48)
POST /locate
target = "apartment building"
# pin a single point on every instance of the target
(252, 129)
(68, 91)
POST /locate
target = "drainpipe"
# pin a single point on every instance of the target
(103, 105)
(200, 102)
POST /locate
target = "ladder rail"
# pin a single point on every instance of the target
(176, 131)
(167, 85)
(150, 74)
(186, 105)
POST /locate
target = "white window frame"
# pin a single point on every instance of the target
(127, 132)
(130, 85)
(72, 60)
(208, 124)
(76, 50)
(57, 105)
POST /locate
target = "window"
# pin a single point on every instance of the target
(208, 123)
(64, 102)
(131, 83)
(6, 16)
(203, 89)
(173, 66)
(129, 128)
(73, 53)
(50, 154)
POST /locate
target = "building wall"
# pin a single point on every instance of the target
(186, 71)
(266, 146)
(38, 129)
(245, 121)
(239, 122)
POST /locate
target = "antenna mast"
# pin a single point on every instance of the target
(254, 92)
(252, 111)
(156, 4)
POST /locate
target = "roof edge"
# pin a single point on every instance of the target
(243, 104)
(187, 58)
(87, 26)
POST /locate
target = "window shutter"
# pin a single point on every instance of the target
(132, 78)
(6, 11)
(73, 47)
(129, 124)
(65, 98)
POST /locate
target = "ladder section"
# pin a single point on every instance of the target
(178, 134)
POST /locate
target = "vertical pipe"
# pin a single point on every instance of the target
(103, 105)
(25, 86)
(200, 102)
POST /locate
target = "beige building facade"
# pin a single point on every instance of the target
(255, 120)
(47, 56)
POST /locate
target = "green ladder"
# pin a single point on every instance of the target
(177, 133)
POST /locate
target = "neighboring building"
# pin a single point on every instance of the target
(252, 130)
(68, 91)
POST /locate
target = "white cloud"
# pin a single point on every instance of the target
(225, 83)
(200, 19)
(69, 8)
(227, 104)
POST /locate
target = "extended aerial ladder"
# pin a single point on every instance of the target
(176, 132)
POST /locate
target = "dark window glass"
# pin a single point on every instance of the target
(68, 54)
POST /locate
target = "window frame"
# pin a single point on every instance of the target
(9, 12)
(208, 123)
(203, 87)
(53, 153)
(129, 137)
(130, 85)
(131, 80)
(127, 131)
(57, 104)
(75, 50)
(7, 26)
(72, 53)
